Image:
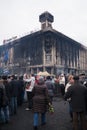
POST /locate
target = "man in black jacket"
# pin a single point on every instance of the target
(13, 88)
(77, 93)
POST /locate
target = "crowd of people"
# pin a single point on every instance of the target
(40, 92)
(11, 96)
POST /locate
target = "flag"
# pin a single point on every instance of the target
(6, 56)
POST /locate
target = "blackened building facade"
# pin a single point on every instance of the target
(44, 50)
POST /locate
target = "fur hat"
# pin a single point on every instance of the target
(76, 77)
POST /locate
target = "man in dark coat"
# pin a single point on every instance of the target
(21, 89)
(50, 87)
(77, 93)
(13, 88)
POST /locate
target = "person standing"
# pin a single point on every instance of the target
(13, 88)
(62, 84)
(70, 82)
(77, 93)
(40, 102)
(29, 87)
(2, 97)
(4, 102)
(50, 87)
(21, 89)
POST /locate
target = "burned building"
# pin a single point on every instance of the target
(46, 49)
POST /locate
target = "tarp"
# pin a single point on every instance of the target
(40, 73)
(45, 73)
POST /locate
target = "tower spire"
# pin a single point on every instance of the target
(46, 20)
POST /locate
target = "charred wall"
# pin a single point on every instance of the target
(28, 50)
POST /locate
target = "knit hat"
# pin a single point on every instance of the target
(41, 79)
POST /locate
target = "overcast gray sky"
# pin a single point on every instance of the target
(18, 17)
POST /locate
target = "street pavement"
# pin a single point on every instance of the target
(60, 120)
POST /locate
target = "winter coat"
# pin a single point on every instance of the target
(13, 88)
(77, 92)
(6, 84)
(40, 98)
(50, 87)
(3, 96)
